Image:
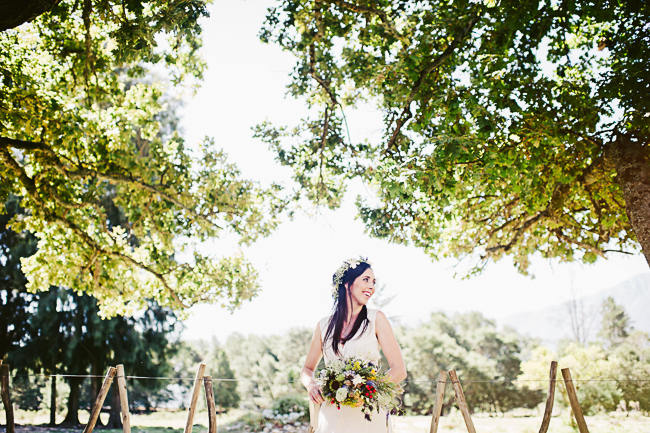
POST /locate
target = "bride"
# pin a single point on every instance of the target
(352, 330)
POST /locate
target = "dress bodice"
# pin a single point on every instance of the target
(363, 345)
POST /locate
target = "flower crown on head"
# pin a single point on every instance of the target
(338, 275)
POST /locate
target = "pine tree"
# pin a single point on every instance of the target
(225, 391)
(615, 325)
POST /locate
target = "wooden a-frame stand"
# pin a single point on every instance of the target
(464, 409)
(124, 405)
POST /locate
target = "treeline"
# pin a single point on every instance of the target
(500, 369)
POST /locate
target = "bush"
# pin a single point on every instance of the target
(254, 420)
(27, 394)
(289, 409)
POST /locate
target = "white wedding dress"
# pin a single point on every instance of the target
(350, 419)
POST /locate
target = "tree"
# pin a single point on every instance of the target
(68, 335)
(225, 385)
(268, 367)
(85, 120)
(582, 317)
(509, 127)
(17, 311)
(592, 366)
(615, 325)
(487, 361)
(13, 298)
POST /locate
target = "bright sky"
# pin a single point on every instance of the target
(244, 85)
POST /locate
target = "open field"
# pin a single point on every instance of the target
(173, 422)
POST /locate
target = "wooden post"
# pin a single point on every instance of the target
(212, 410)
(573, 399)
(6, 397)
(548, 410)
(195, 397)
(460, 399)
(53, 400)
(124, 400)
(99, 402)
(440, 394)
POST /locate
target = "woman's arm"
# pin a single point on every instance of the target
(307, 373)
(389, 346)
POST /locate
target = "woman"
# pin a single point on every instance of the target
(352, 330)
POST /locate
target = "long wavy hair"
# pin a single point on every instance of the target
(340, 309)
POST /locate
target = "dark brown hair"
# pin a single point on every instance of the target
(340, 310)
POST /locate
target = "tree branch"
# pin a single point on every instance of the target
(82, 173)
(406, 111)
(583, 245)
(321, 81)
(96, 247)
(322, 148)
(25, 180)
(387, 24)
(518, 232)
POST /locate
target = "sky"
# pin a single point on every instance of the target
(244, 85)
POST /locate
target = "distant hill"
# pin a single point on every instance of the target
(551, 324)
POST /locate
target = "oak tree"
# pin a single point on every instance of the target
(88, 127)
(509, 127)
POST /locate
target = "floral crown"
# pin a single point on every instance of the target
(340, 272)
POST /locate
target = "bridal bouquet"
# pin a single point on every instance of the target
(358, 383)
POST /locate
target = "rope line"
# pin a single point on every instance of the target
(223, 379)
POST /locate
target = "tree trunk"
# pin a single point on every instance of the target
(52, 400)
(114, 419)
(632, 162)
(72, 417)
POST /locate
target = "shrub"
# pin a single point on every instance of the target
(288, 409)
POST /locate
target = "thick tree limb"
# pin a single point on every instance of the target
(25, 180)
(631, 159)
(15, 12)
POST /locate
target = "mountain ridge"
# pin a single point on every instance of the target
(554, 323)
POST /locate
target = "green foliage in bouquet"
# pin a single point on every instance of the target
(358, 383)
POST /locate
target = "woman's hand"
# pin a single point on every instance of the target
(314, 393)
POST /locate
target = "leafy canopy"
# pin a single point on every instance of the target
(87, 127)
(501, 120)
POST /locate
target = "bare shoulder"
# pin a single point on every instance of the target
(382, 323)
(380, 316)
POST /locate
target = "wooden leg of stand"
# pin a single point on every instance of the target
(548, 410)
(440, 394)
(460, 399)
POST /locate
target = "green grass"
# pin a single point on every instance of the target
(174, 422)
